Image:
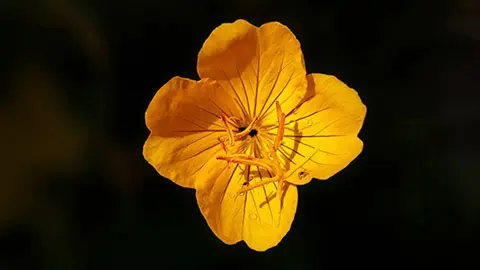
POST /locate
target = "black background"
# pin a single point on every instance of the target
(77, 76)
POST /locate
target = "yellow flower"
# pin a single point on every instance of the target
(253, 128)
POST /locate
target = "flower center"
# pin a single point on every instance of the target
(270, 163)
(252, 132)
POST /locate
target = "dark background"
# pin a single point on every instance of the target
(76, 79)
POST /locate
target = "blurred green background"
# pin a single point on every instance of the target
(76, 79)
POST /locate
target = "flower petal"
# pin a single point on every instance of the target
(256, 65)
(258, 217)
(184, 120)
(321, 137)
(269, 217)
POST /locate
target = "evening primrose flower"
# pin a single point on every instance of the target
(251, 129)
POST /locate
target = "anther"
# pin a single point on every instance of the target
(271, 164)
(233, 120)
(224, 147)
(247, 160)
(231, 138)
(281, 127)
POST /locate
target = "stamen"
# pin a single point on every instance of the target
(281, 127)
(245, 156)
(233, 120)
(231, 138)
(258, 184)
(271, 163)
(222, 143)
(247, 130)
(247, 160)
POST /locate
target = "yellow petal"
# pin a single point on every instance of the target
(269, 217)
(321, 135)
(258, 217)
(257, 66)
(184, 120)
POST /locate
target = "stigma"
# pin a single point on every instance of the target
(252, 132)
